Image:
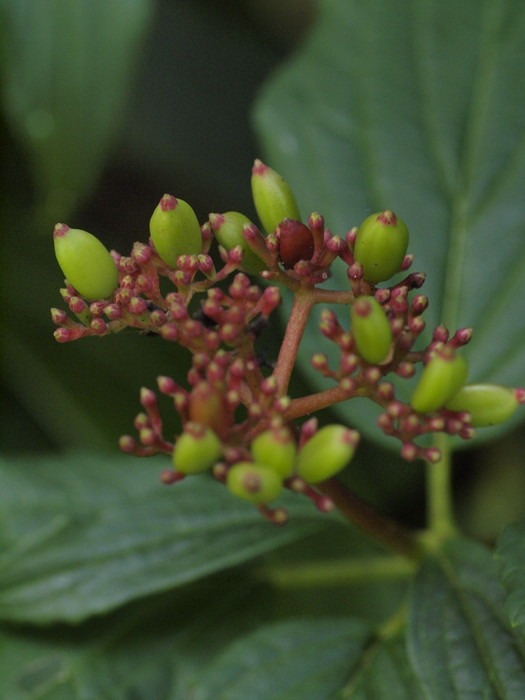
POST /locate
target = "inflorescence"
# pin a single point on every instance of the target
(236, 416)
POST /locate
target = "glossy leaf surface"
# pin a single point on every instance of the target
(461, 643)
(82, 535)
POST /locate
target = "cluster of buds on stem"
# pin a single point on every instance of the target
(237, 421)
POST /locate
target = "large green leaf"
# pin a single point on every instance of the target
(510, 553)
(306, 659)
(151, 649)
(461, 644)
(384, 673)
(67, 69)
(418, 107)
(82, 536)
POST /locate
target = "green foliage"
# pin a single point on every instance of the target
(460, 641)
(299, 660)
(66, 105)
(112, 585)
(90, 537)
(417, 107)
(511, 554)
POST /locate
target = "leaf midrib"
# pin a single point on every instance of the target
(468, 158)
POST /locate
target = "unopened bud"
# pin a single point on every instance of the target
(272, 196)
(442, 377)
(253, 482)
(207, 407)
(380, 246)
(371, 329)
(276, 449)
(326, 453)
(227, 229)
(85, 262)
(175, 230)
(487, 404)
(196, 450)
(295, 242)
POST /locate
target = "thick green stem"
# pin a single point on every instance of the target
(339, 572)
(440, 519)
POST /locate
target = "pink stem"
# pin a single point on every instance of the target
(301, 308)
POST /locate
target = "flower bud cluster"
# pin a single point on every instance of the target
(237, 421)
(255, 457)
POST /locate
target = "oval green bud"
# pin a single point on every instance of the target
(275, 448)
(253, 482)
(442, 377)
(196, 450)
(380, 246)
(85, 262)
(227, 229)
(371, 329)
(272, 196)
(487, 404)
(175, 230)
(326, 453)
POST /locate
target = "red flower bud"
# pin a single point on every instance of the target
(296, 242)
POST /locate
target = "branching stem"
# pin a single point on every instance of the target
(301, 308)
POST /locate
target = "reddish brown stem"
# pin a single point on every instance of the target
(305, 405)
(332, 296)
(302, 306)
(363, 516)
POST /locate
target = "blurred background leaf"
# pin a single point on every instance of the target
(67, 70)
(421, 109)
(80, 538)
(150, 97)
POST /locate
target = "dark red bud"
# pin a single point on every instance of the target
(296, 242)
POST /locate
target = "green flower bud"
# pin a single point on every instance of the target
(272, 196)
(442, 377)
(488, 404)
(275, 448)
(196, 450)
(85, 262)
(371, 329)
(175, 230)
(380, 246)
(253, 482)
(227, 229)
(326, 453)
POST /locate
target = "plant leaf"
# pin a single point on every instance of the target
(510, 553)
(459, 639)
(384, 674)
(84, 536)
(67, 69)
(418, 107)
(307, 659)
(150, 649)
